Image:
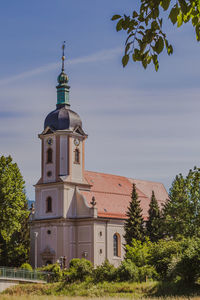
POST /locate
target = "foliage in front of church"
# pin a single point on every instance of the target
(14, 214)
(173, 232)
(165, 260)
(154, 223)
(181, 213)
(134, 225)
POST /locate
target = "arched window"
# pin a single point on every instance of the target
(76, 156)
(49, 155)
(49, 205)
(116, 245)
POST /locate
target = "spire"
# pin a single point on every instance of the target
(63, 57)
(62, 87)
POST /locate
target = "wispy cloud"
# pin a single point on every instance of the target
(96, 57)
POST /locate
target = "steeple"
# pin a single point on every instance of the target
(63, 87)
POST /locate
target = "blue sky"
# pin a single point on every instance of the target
(141, 124)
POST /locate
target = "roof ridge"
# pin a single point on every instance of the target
(144, 180)
(106, 174)
(103, 192)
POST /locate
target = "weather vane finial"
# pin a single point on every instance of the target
(63, 56)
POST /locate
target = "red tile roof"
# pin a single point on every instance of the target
(113, 193)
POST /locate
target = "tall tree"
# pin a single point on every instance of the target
(181, 213)
(134, 224)
(153, 225)
(14, 233)
(144, 27)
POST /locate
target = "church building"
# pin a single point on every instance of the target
(79, 213)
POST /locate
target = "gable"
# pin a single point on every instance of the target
(79, 130)
(47, 130)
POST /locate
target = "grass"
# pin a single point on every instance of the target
(105, 290)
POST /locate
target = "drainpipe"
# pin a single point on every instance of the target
(106, 239)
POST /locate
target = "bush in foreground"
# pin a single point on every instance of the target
(79, 270)
(26, 266)
(105, 272)
(55, 272)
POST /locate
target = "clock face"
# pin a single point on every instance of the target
(76, 142)
(49, 141)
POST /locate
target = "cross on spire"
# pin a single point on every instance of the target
(63, 56)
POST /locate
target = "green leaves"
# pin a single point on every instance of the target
(119, 25)
(183, 6)
(115, 17)
(159, 45)
(198, 33)
(174, 14)
(153, 225)
(165, 4)
(145, 39)
(125, 60)
(182, 211)
(13, 209)
(134, 224)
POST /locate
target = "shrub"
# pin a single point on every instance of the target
(162, 255)
(187, 267)
(147, 272)
(128, 271)
(54, 272)
(138, 252)
(79, 270)
(105, 272)
(26, 266)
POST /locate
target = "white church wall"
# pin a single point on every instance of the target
(53, 193)
(72, 242)
(100, 244)
(49, 240)
(41, 198)
(84, 241)
(69, 204)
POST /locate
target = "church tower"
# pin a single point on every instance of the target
(57, 193)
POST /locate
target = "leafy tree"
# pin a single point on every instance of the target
(153, 226)
(14, 233)
(162, 255)
(187, 266)
(138, 252)
(181, 213)
(137, 261)
(134, 224)
(145, 36)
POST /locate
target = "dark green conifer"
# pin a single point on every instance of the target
(153, 225)
(134, 224)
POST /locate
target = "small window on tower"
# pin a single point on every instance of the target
(49, 155)
(49, 205)
(76, 156)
